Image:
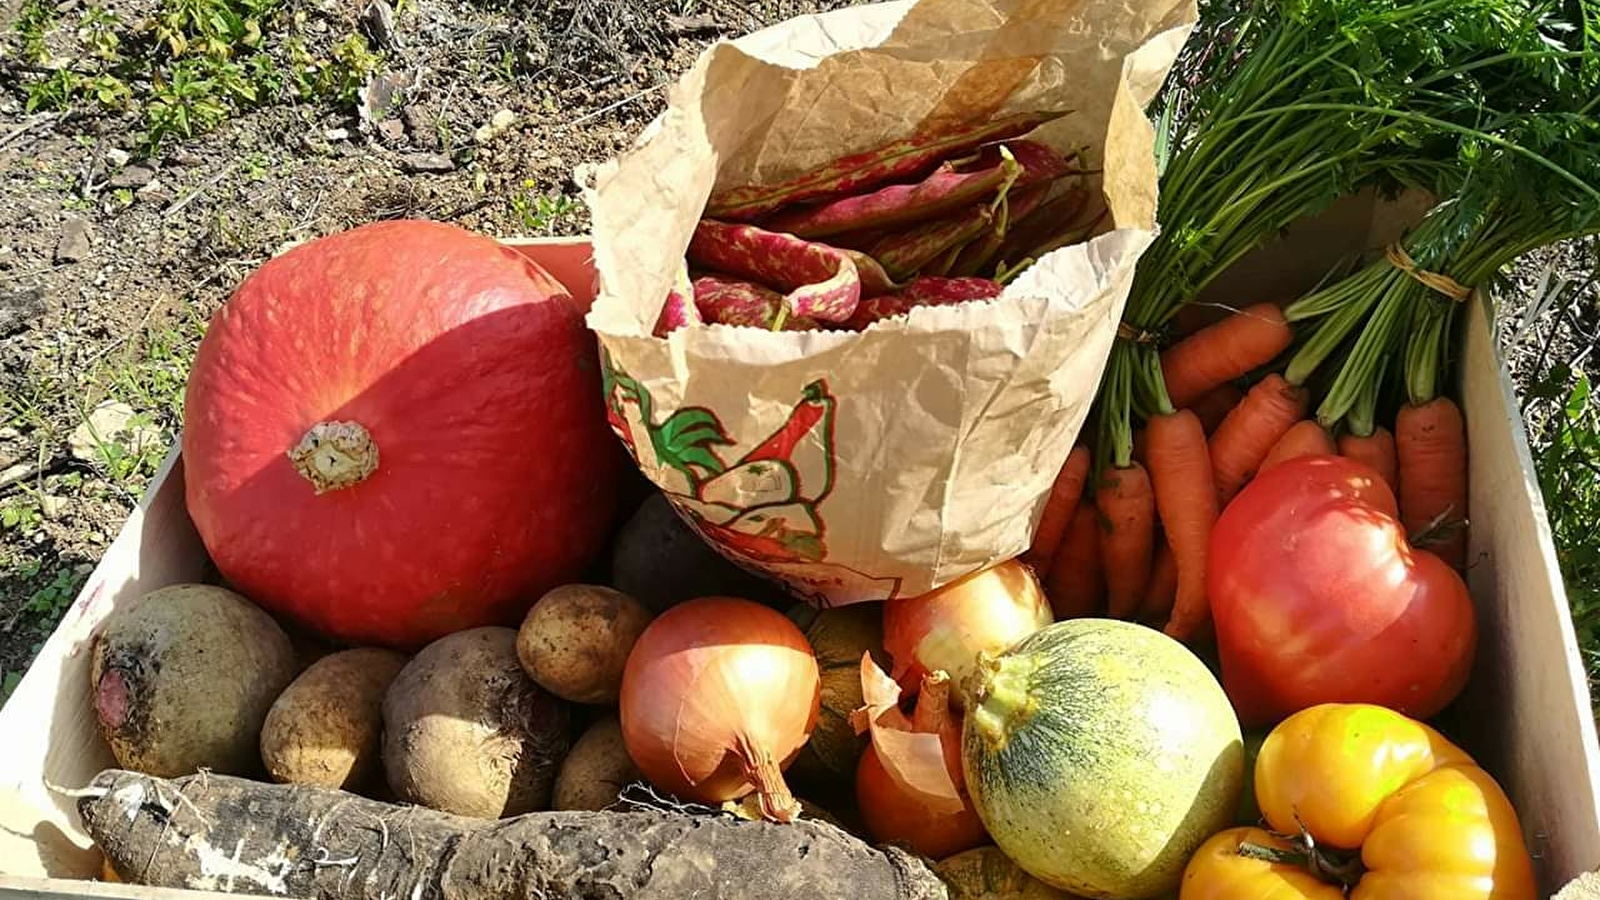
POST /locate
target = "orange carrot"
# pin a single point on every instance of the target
(1248, 433)
(1376, 450)
(1186, 500)
(1161, 589)
(1076, 584)
(1058, 510)
(1431, 451)
(1306, 438)
(1222, 352)
(1186, 497)
(1214, 405)
(1128, 510)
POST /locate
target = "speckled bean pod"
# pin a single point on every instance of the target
(730, 301)
(1052, 224)
(903, 254)
(949, 187)
(679, 310)
(821, 282)
(978, 256)
(904, 159)
(923, 291)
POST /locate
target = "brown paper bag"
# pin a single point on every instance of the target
(860, 466)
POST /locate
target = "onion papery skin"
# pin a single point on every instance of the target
(710, 684)
(948, 627)
(892, 817)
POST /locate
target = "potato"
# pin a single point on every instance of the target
(660, 561)
(183, 677)
(574, 642)
(326, 728)
(597, 769)
(466, 731)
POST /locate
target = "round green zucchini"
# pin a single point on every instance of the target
(1100, 754)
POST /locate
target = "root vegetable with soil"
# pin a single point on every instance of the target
(223, 833)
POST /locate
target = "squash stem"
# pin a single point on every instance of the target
(1000, 696)
(334, 455)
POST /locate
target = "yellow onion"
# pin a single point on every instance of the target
(909, 785)
(718, 696)
(946, 628)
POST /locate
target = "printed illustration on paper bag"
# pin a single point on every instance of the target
(762, 510)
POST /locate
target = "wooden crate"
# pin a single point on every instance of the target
(1531, 725)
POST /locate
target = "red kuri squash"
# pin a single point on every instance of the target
(396, 432)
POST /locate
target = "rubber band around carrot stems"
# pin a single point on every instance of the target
(1435, 281)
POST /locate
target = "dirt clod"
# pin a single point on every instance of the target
(421, 163)
(74, 245)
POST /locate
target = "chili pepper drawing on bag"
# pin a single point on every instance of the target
(761, 510)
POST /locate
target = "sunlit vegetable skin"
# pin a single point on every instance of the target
(1100, 754)
(1218, 872)
(1318, 597)
(1428, 822)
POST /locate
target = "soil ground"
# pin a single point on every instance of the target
(113, 257)
(162, 239)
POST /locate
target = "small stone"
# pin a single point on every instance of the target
(187, 158)
(74, 244)
(117, 157)
(96, 537)
(427, 162)
(52, 506)
(378, 19)
(393, 131)
(149, 187)
(497, 123)
(336, 134)
(9, 433)
(110, 422)
(378, 97)
(20, 309)
(421, 126)
(133, 177)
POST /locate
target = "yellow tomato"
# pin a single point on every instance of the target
(1218, 871)
(1424, 819)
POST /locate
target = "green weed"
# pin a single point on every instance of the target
(1563, 416)
(55, 596)
(34, 22)
(8, 684)
(192, 65)
(1568, 462)
(22, 514)
(540, 212)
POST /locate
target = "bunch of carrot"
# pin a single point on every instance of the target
(938, 218)
(1128, 538)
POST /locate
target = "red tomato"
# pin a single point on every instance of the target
(1319, 597)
